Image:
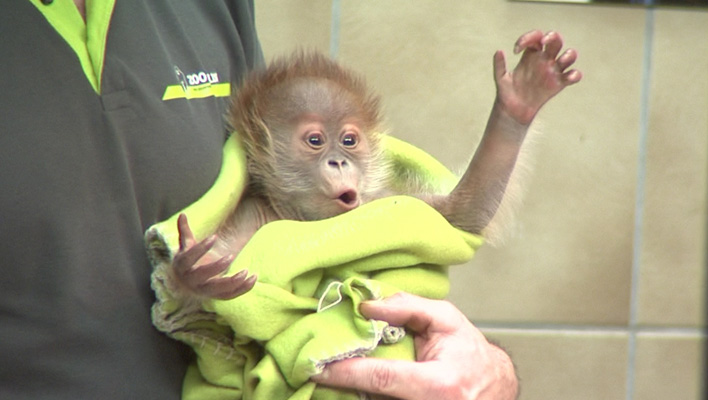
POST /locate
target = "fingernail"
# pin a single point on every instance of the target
(321, 376)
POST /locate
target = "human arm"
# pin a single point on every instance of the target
(454, 359)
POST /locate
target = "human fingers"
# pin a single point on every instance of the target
(417, 313)
(396, 378)
(528, 40)
(228, 287)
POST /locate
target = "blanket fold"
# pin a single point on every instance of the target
(312, 276)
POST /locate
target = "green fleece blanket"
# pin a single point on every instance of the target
(312, 276)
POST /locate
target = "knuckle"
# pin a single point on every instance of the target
(382, 378)
(452, 314)
(447, 308)
(449, 386)
(454, 389)
(398, 297)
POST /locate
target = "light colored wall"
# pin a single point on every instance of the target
(599, 291)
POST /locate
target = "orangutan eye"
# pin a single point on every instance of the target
(315, 140)
(350, 140)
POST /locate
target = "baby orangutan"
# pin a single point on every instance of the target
(311, 130)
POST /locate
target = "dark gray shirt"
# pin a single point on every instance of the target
(83, 174)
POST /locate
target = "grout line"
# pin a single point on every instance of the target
(575, 331)
(703, 386)
(640, 201)
(668, 331)
(334, 30)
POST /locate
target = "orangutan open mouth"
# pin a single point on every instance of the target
(348, 199)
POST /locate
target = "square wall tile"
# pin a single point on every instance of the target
(669, 367)
(567, 365)
(672, 288)
(284, 26)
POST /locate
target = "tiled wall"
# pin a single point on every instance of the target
(599, 291)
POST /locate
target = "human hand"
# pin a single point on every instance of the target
(540, 74)
(197, 274)
(454, 360)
